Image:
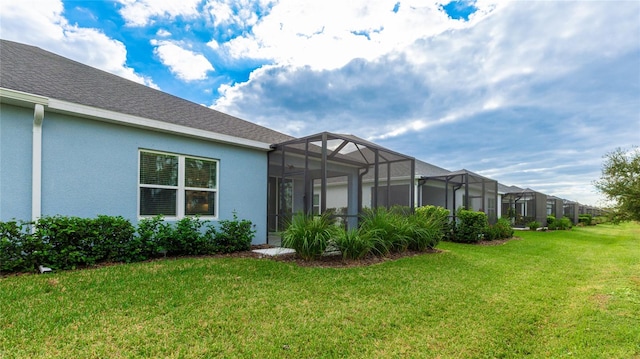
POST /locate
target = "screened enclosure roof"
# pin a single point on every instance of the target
(458, 177)
(504, 189)
(346, 149)
(520, 193)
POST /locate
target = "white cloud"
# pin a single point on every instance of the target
(42, 24)
(239, 13)
(329, 34)
(143, 12)
(163, 33)
(540, 94)
(185, 64)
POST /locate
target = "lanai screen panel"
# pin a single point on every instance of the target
(346, 164)
(526, 206)
(462, 189)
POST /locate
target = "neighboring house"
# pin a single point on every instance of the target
(555, 207)
(464, 189)
(571, 210)
(524, 205)
(429, 185)
(78, 141)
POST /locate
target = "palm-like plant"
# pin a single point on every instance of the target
(390, 231)
(309, 235)
(354, 243)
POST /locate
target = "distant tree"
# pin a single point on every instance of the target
(620, 182)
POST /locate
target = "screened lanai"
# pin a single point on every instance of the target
(555, 207)
(461, 188)
(571, 210)
(524, 206)
(336, 172)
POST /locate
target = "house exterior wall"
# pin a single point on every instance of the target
(91, 167)
(16, 125)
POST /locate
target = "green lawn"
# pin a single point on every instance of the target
(550, 295)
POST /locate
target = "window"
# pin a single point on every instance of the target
(177, 186)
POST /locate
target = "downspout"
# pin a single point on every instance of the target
(360, 194)
(36, 163)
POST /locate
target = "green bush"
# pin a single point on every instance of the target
(585, 219)
(550, 220)
(563, 223)
(309, 235)
(501, 230)
(12, 238)
(470, 226)
(435, 213)
(69, 240)
(390, 231)
(187, 238)
(153, 237)
(533, 225)
(505, 230)
(600, 219)
(429, 226)
(233, 235)
(63, 242)
(354, 243)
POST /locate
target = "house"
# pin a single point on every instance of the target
(463, 188)
(555, 207)
(78, 141)
(523, 205)
(428, 185)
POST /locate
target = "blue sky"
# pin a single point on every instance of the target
(531, 93)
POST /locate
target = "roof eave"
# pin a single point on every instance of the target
(59, 106)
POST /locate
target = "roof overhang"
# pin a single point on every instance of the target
(24, 99)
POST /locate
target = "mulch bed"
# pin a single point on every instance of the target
(328, 261)
(336, 261)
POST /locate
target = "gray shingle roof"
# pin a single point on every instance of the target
(33, 70)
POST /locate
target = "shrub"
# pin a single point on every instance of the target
(309, 235)
(63, 242)
(153, 237)
(533, 225)
(12, 238)
(550, 220)
(505, 230)
(599, 219)
(390, 231)
(561, 224)
(233, 235)
(501, 230)
(187, 238)
(435, 213)
(70, 241)
(585, 219)
(114, 239)
(354, 243)
(429, 227)
(470, 226)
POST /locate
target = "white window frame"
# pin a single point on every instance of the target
(181, 188)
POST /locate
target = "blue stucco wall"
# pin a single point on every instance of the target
(16, 125)
(91, 167)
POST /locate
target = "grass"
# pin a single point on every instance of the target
(550, 295)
